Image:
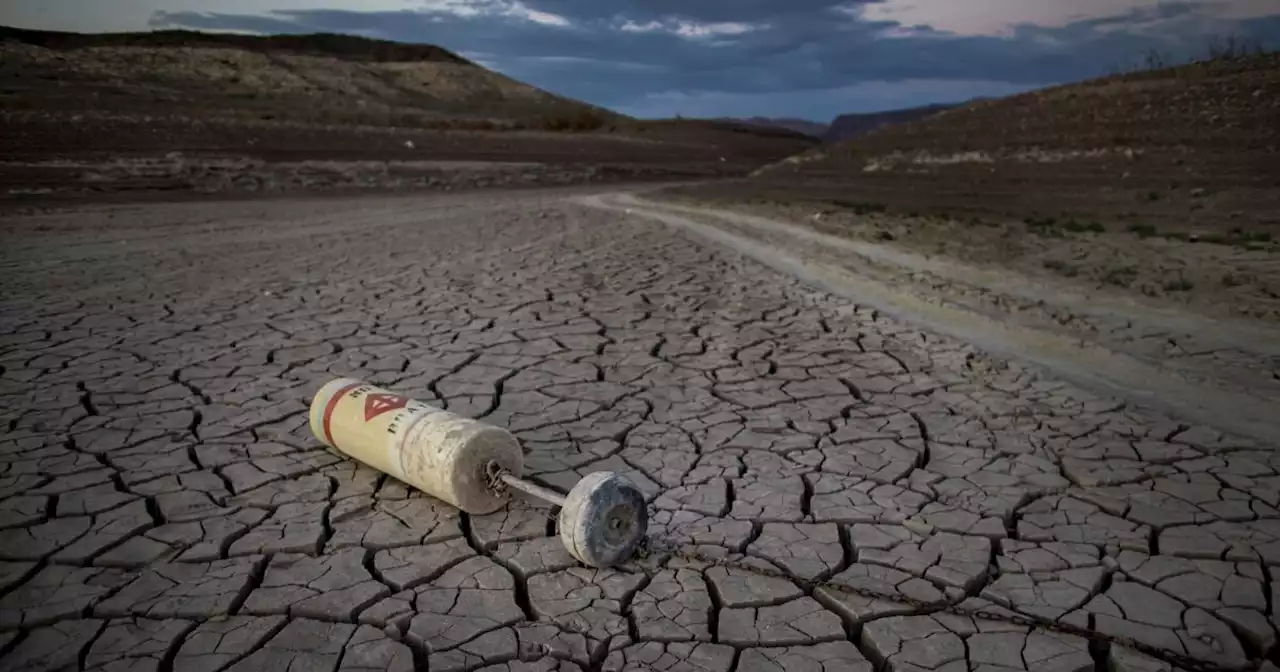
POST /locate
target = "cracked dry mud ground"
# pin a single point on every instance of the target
(163, 506)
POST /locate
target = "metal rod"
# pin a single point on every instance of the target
(545, 494)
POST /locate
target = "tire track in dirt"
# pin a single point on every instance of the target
(1098, 365)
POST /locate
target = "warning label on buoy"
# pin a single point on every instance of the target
(378, 403)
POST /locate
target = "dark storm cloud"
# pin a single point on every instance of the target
(628, 54)
(702, 10)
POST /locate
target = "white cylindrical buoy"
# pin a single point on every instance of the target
(444, 455)
(473, 466)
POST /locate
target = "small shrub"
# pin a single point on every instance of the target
(1154, 59)
(1062, 267)
(1143, 230)
(583, 120)
(859, 208)
(1084, 227)
(1121, 277)
(1153, 196)
(1249, 240)
(1232, 47)
(1043, 227)
(1232, 280)
(1179, 285)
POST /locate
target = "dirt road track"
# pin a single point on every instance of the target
(162, 505)
(1212, 370)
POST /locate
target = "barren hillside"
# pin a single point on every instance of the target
(332, 79)
(1188, 148)
(1161, 185)
(74, 107)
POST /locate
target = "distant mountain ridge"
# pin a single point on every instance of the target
(814, 128)
(847, 126)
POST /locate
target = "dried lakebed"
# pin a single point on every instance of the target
(163, 506)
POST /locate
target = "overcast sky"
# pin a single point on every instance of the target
(812, 59)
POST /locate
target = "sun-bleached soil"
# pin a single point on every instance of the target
(163, 505)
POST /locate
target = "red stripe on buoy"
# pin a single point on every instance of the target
(328, 410)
